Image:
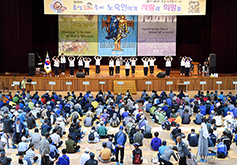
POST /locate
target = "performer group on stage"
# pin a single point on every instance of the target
(130, 63)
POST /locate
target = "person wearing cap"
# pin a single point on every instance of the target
(182, 150)
(26, 108)
(114, 120)
(19, 130)
(102, 130)
(138, 137)
(23, 86)
(105, 153)
(120, 139)
(88, 122)
(22, 146)
(137, 152)
(85, 156)
(146, 130)
(91, 161)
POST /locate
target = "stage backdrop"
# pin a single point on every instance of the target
(117, 35)
(125, 7)
(156, 35)
(78, 34)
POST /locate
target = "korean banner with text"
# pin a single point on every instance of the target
(125, 7)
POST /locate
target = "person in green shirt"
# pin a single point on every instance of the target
(23, 86)
(160, 116)
(71, 146)
(16, 98)
(102, 131)
(152, 109)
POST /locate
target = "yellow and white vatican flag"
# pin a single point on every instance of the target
(47, 64)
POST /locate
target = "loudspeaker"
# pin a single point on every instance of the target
(31, 59)
(80, 75)
(212, 70)
(160, 75)
(212, 60)
(31, 64)
(31, 71)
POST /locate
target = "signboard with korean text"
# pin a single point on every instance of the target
(125, 7)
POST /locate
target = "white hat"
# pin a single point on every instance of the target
(48, 102)
(87, 150)
(57, 105)
(23, 138)
(47, 91)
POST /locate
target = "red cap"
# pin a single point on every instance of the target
(139, 110)
(121, 101)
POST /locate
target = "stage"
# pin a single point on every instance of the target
(139, 81)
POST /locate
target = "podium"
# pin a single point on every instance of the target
(29, 86)
(195, 68)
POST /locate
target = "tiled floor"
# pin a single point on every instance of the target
(147, 153)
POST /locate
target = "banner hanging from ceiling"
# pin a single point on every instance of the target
(78, 34)
(156, 35)
(117, 35)
(125, 7)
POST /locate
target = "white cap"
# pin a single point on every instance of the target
(87, 150)
(23, 138)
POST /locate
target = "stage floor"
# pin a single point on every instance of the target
(138, 79)
(104, 73)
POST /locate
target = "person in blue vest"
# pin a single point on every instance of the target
(120, 139)
(193, 138)
(221, 149)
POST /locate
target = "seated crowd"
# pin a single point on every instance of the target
(55, 112)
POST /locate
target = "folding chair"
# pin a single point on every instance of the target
(212, 158)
